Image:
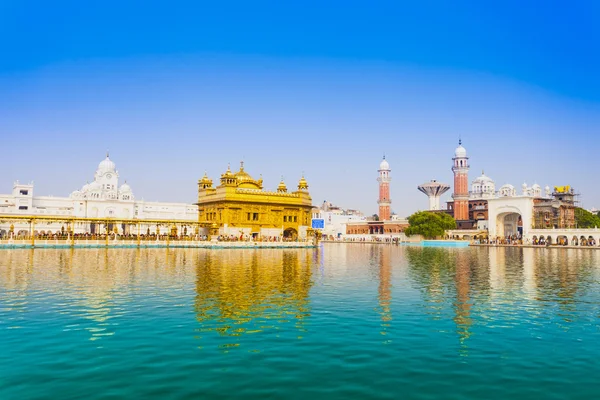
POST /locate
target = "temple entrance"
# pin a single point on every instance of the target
(290, 234)
(509, 224)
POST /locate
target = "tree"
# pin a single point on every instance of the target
(585, 219)
(375, 217)
(429, 225)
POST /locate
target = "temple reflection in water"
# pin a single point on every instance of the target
(232, 289)
(243, 292)
(231, 293)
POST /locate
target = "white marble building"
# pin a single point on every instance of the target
(335, 219)
(482, 187)
(102, 198)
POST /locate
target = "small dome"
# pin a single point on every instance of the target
(94, 186)
(384, 165)
(227, 173)
(536, 186)
(85, 187)
(106, 165)
(460, 151)
(125, 188)
(302, 184)
(282, 187)
(483, 179)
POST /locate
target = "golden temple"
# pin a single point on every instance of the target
(240, 206)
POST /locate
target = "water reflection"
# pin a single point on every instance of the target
(385, 287)
(231, 294)
(504, 285)
(246, 292)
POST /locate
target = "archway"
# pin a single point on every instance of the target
(575, 241)
(508, 224)
(591, 241)
(562, 240)
(583, 241)
(549, 240)
(290, 234)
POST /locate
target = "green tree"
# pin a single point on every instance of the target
(586, 219)
(375, 217)
(429, 225)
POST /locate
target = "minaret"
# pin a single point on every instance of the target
(461, 183)
(384, 190)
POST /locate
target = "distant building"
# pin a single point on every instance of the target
(513, 214)
(335, 219)
(103, 198)
(240, 206)
(388, 225)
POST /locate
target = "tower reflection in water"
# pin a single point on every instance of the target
(246, 292)
(490, 288)
(385, 288)
(442, 273)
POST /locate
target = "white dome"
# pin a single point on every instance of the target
(125, 188)
(106, 165)
(384, 165)
(460, 151)
(95, 186)
(536, 186)
(85, 187)
(483, 179)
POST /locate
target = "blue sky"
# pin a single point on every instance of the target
(178, 88)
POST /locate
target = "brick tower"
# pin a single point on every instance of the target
(461, 183)
(384, 190)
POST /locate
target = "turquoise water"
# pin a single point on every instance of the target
(340, 322)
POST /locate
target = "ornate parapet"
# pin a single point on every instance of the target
(263, 192)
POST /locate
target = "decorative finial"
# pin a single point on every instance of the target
(106, 153)
(384, 156)
(482, 172)
(459, 141)
(281, 178)
(242, 165)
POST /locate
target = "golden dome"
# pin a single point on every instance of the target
(302, 184)
(227, 173)
(205, 181)
(282, 187)
(242, 175)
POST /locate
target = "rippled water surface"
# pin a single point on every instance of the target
(343, 321)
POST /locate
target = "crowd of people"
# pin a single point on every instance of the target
(535, 241)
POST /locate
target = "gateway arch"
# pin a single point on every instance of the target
(504, 213)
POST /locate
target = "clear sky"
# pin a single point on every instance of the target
(323, 88)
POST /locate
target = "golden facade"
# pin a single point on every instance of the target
(239, 206)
